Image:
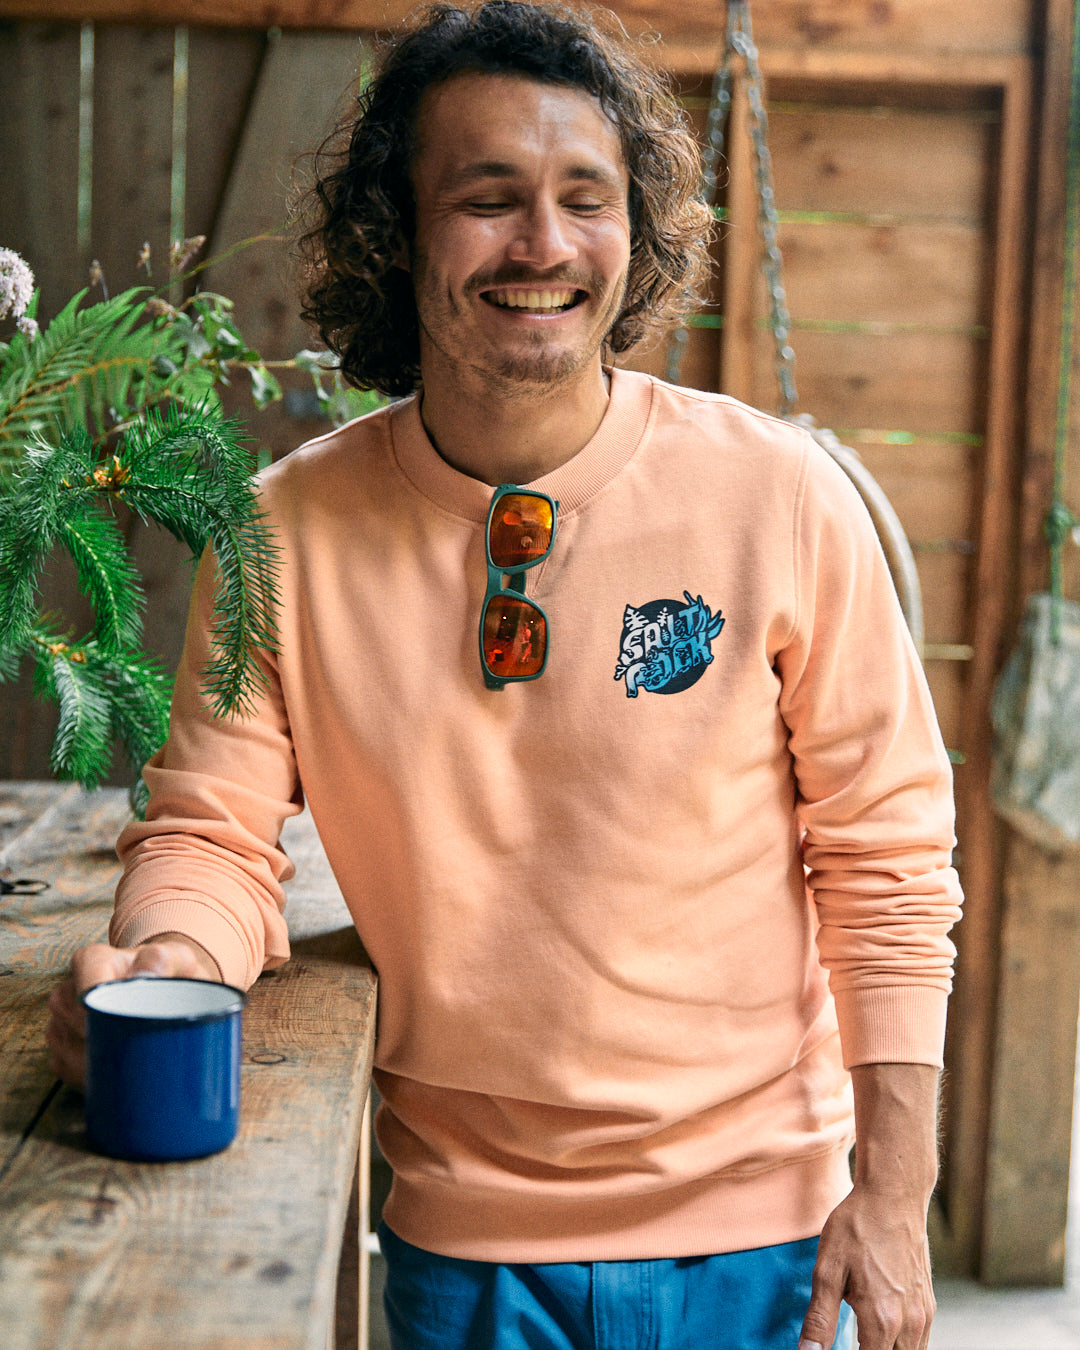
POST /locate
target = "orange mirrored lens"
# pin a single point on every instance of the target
(515, 637)
(520, 530)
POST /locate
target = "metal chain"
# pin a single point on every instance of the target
(739, 41)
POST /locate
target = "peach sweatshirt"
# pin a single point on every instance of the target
(605, 1022)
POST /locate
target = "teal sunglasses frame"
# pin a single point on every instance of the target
(516, 586)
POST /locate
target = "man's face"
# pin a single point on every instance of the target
(522, 232)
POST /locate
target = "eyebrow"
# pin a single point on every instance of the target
(501, 169)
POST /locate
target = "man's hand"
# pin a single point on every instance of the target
(874, 1252)
(168, 955)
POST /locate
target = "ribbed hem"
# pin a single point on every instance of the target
(720, 1214)
(892, 1024)
(196, 919)
(573, 484)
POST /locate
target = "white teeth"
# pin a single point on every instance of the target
(531, 299)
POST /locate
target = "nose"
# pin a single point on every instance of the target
(543, 239)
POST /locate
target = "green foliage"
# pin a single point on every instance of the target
(112, 407)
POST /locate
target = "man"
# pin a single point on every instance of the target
(618, 771)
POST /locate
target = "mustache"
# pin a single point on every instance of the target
(528, 280)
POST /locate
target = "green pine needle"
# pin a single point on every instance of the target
(189, 472)
(108, 577)
(82, 747)
(114, 404)
(101, 695)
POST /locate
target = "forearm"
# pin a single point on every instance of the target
(896, 1107)
(873, 1251)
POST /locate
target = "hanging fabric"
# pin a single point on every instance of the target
(1035, 780)
(739, 45)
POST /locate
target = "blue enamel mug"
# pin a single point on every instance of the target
(162, 1068)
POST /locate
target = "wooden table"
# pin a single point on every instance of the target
(235, 1252)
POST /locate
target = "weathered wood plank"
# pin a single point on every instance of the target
(39, 167)
(223, 70)
(21, 807)
(739, 276)
(972, 1049)
(909, 164)
(928, 383)
(222, 67)
(926, 276)
(946, 681)
(64, 836)
(300, 86)
(964, 25)
(946, 580)
(1027, 1182)
(933, 486)
(133, 102)
(240, 1250)
(1030, 1124)
(39, 154)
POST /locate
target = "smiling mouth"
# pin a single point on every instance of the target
(551, 300)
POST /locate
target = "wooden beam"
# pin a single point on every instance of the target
(813, 25)
(1031, 1106)
(742, 251)
(970, 1059)
(1030, 1125)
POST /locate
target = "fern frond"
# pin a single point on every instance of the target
(89, 365)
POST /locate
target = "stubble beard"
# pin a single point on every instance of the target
(533, 373)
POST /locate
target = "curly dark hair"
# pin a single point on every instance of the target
(361, 211)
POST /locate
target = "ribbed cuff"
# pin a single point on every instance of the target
(195, 919)
(892, 1024)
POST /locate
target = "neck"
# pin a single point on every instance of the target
(513, 435)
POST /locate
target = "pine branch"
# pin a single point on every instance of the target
(101, 695)
(140, 696)
(188, 471)
(82, 747)
(108, 577)
(32, 513)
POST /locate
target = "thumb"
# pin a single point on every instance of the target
(152, 959)
(819, 1324)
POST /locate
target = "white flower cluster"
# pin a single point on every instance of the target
(16, 291)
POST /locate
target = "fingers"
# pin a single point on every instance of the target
(65, 1032)
(819, 1324)
(175, 956)
(881, 1266)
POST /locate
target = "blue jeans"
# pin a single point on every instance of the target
(753, 1300)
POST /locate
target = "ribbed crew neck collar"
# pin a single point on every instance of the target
(572, 485)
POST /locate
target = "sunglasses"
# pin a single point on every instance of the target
(513, 629)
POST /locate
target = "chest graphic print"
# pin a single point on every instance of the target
(666, 645)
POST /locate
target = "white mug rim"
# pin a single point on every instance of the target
(218, 1014)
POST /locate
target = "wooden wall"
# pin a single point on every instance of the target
(917, 149)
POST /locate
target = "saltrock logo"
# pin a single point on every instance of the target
(666, 645)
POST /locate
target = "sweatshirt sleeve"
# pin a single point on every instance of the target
(206, 862)
(874, 784)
